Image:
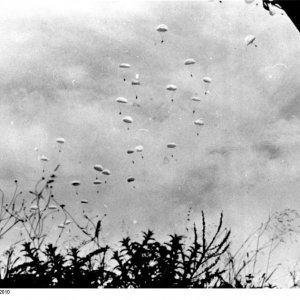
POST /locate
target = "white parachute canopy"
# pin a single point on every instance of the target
(207, 79)
(98, 168)
(122, 100)
(196, 99)
(139, 148)
(189, 61)
(162, 28)
(127, 119)
(44, 158)
(106, 172)
(171, 145)
(199, 122)
(171, 87)
(249, 39)
(124, 66)
(97, 182)
(60, 140)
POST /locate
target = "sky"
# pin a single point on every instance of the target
(60, 77)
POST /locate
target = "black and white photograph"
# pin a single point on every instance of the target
(149, 145)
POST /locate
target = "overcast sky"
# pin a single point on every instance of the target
(59, 77)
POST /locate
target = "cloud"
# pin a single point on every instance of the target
(60, 77)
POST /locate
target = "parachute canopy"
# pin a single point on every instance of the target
(106, 172)
(249, 39)
(68, 222)
(121, 100)
(61, 226)
(60, 140)
(84, 201)
(189, 61)
(162, 28)
(52, 207)
(207, 79)
(124, 66)
(135, 82)
(98, 168)
(139, 148)
(171, 87)
(127, 119)
(196, 99)
(199, 122)
(130, 179)
(75, 183)
(171, 145)
(44, 158)
(130, 151)
(144, 130)
(96, 182)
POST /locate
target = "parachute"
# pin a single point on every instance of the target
(162, 29)
(136, 82)
(249, 39)
(84, 201)
(207, 81)
(97, 183)
(197, 100)
(199, 122)
(140, 149)
(124, 67)
(189, 62)
(130, 151)
(60, 142)
(61, 226)
(44, 159)
(172, 88)
(127, 120)
(121, 100)
(67, 222)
